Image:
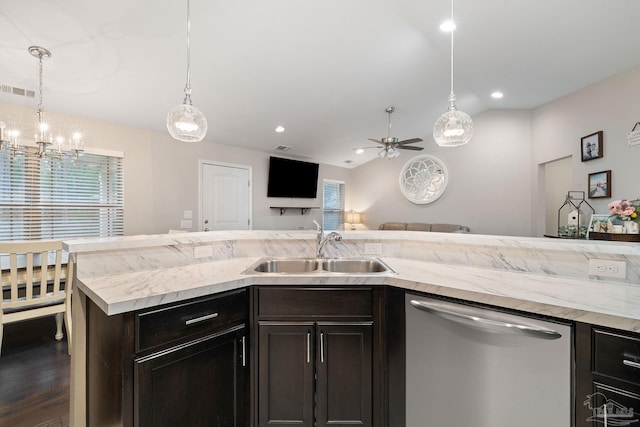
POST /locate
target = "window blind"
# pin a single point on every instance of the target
(60, 198)
(333, 205)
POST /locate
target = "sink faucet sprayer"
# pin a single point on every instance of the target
(322, 240)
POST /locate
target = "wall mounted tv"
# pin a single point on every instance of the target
(292, 178)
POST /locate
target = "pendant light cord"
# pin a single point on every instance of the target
(187, 88)
(452, 31)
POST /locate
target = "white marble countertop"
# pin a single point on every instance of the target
(538, 275)
(537, 243)
(608, 304)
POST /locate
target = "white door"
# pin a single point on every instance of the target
(224, 196)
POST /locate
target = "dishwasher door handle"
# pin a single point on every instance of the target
(474, 316)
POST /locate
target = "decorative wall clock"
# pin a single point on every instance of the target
(423, 179)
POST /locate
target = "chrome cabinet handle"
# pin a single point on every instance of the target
(474, 317)
(631, 363)
(308, 347)
(201, 319)
(244, 354)
(321, 347)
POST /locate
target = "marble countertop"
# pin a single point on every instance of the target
(602, 303)
(467, 239)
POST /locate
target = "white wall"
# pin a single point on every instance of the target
(612, 106)
(489, 181)
(496, 182)
(161, 175)
(557, 178)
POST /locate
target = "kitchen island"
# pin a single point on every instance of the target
(542, 276)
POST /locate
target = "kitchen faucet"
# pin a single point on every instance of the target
(322, 240)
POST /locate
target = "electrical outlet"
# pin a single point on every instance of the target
(373, 248)
(202, 251)
(186, 223)
(608, 268)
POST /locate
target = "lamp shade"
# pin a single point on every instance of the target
(186, 123)
(353, 218)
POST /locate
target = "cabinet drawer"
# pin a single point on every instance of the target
(314, 302)
(182, 321)
(618, 404)
(617, 356)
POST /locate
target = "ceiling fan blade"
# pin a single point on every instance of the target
(408, 147)
(376, 141)
(364, 148)
(409, 141)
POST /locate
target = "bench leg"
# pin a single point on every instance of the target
(59, 334)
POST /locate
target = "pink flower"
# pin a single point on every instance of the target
(621, 207)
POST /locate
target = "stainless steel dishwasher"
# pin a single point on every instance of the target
(470, 366)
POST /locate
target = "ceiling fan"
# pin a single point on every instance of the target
(390, 145)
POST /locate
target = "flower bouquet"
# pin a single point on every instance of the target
(624, 219)
(624, 210)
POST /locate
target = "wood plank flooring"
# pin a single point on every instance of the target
(34, 376)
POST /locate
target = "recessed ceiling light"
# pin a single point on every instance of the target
(359, 151)
(447, 26)
(280, 129)
(497, 95)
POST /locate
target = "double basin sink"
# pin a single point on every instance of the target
(368, 266)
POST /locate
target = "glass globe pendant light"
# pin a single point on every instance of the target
(185, 122)
(454, 127)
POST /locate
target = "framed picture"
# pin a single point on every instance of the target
(596, 223)
(600, 185)
(591, 146)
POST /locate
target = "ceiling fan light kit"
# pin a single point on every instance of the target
(185, 122)
(454, 127)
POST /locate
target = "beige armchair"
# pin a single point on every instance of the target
(35, 283)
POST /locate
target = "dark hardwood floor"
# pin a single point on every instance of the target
(34, 376)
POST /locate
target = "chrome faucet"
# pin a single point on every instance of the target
(322, 240)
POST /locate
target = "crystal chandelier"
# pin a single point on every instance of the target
(454, 127)
(185, 122)
(46, 144)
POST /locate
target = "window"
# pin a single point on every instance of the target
(60, 198)
(333, 205)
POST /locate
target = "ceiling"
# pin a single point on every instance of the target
(325, 70)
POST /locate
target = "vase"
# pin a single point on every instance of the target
(632, 227)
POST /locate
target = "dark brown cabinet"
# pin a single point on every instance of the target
(608, 376)
(200, 383)
(178, 364)
(316, 361)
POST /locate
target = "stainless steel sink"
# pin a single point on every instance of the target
(369, 266)
(288, 265)
(354, 266)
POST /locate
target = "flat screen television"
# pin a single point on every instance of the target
(292, 178)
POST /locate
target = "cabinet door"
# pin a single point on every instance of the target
(285, 374)
(199, 383)
(344, 375)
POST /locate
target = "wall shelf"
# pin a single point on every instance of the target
(303, 210)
